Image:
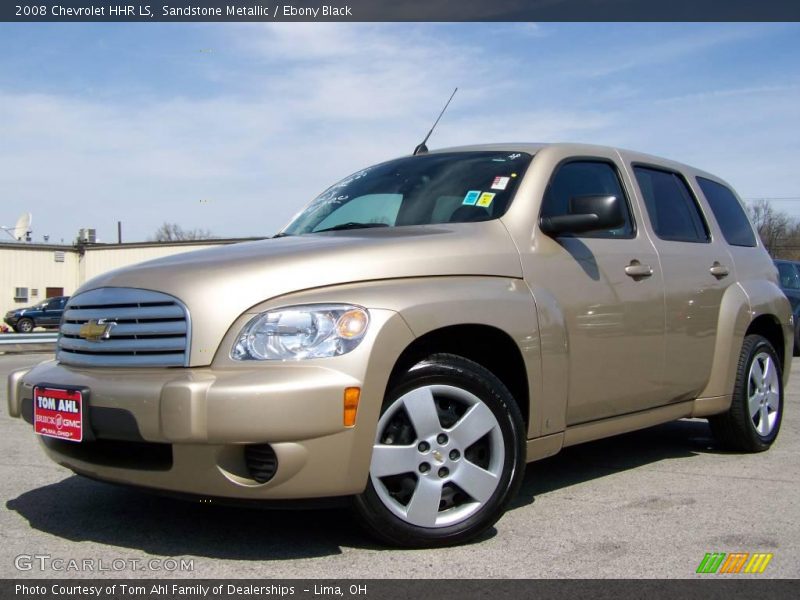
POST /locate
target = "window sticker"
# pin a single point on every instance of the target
(472, 197)
(500, 183)
(486, 199)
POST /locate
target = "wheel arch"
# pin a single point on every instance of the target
(489, 346)
(746, 307)
(768, 326)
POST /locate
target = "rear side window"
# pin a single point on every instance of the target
(586, 178)
(673, 210)
(729, 213)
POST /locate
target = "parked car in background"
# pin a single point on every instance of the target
(419, 332)
(789, 275)
(46, 314)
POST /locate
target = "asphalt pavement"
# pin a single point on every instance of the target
(645, 504)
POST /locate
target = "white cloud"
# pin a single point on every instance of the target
(292, 107)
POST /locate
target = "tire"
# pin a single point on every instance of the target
(754, 418)
(449, 455)
(796, 351)
(24, 326)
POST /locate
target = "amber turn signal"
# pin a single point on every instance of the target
(351, 398)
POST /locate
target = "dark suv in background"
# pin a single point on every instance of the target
(789, 272)
(45, 314)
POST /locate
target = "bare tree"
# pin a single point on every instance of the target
(779, 232)
(172, 232)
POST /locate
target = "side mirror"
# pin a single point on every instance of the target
(586, 213)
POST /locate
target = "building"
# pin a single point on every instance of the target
(29, 273)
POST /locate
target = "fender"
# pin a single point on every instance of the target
(741, 305)
(429, 303)
(766, 298)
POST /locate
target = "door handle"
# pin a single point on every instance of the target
(719, 271)
(637, 270)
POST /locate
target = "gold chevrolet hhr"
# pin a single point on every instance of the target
(420, 331)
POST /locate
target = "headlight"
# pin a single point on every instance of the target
(297, 332)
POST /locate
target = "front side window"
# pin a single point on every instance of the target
(586, 178)
(673, 210)
(729, 213)
(446, 187)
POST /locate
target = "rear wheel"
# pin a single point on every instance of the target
(754, 418)
(448, 455)
(24, 326)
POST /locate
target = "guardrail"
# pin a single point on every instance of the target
(28, 342)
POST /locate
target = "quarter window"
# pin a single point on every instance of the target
(586, 178)
(729, 213)
(673, 210)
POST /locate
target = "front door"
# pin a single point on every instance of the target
(609, 288)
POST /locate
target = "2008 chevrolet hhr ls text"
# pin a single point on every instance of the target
(420, 331)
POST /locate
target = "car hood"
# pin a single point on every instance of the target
(221, 283)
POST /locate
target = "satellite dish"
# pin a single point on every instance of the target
(23, 226)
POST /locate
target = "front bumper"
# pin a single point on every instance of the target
(187, 430)
(11, 321)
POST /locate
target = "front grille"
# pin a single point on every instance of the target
(146, 329)
(261, 461)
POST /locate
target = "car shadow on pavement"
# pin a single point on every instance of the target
(79, 509)
(584, 462)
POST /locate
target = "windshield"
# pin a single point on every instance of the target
(447, 187)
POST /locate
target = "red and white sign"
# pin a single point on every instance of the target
(58, 413)
(500, 183)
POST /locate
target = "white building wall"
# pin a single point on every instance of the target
(35, 269)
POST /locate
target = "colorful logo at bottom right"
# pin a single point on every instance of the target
(734, 562)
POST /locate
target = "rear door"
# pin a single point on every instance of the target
(697, 269)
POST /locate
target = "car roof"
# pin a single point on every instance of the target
(579, 149)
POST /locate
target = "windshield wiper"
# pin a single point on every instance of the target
(352, 225)
(281, 234)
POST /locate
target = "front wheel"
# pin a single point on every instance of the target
(24, 326)
(449, 455)
(754, 418)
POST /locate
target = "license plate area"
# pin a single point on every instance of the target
(58, 412)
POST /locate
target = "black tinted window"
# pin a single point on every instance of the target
(728, 212)
(585, 178)
(789, 277)
(672, 208)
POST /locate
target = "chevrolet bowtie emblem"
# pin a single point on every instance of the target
(96, 330)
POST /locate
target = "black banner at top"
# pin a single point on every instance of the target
(399, 10)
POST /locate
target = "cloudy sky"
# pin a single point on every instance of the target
(234, 127)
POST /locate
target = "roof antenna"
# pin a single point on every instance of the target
(422, 148)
